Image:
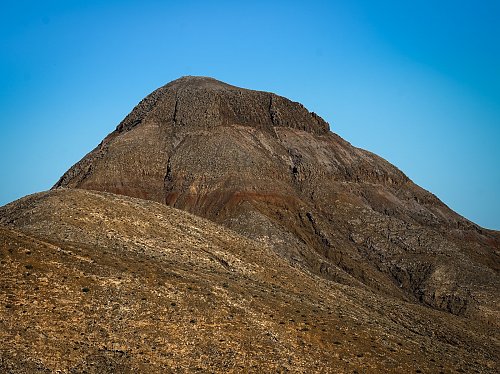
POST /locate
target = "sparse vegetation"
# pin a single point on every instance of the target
(322, 257)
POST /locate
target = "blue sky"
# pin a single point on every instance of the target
(416, 82)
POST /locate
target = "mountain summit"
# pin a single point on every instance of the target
(269, 169)
(205, 103)
(325, 254)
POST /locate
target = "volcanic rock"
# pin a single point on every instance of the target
(223, 229)
(269, 169)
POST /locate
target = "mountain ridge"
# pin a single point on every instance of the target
(97, 282)
(229, 188)
(301, 188)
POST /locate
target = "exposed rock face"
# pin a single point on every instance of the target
(316, 256)
(269, 169)
(101, 283)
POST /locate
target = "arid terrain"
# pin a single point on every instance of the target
(220, 229)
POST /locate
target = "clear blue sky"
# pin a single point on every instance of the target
(417, 82)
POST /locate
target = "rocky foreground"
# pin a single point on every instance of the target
(95, 282)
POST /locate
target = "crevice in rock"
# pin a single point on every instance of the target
(167, 180)
(175, 110)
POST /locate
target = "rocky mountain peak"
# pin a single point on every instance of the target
(194, 81)
(301, 253)
(267, 168)
(203, 102)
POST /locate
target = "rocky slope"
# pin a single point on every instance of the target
(95, 282)
(272, 171)
(220, 229)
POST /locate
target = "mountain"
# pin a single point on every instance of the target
(94, 282)
(219, 228)
(270, 170)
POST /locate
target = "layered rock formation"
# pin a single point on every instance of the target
(269, 169)
(298, 252)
